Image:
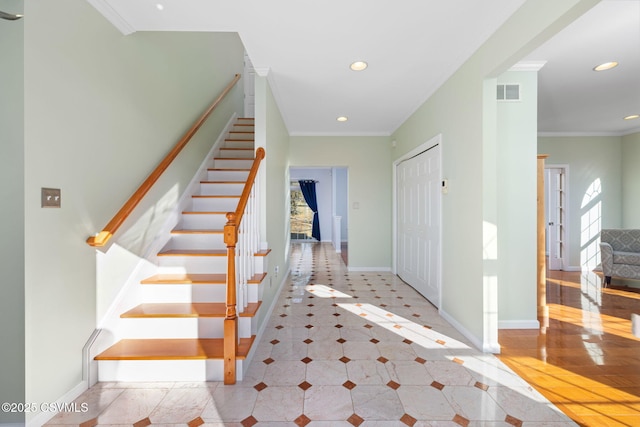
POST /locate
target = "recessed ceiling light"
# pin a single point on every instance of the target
(342, 119)
(159, 6)
(358, 66)
(605, 66)
(633, 116)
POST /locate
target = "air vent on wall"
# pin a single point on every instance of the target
(508, 92)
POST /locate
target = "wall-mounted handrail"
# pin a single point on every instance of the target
(103, 237)
(234, 220)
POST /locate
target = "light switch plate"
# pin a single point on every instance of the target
(50, 197)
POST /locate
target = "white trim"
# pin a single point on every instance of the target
(294, 133)
(528, 66)
(369, 269)
(262, 71)
(579, 133)
(475, 341)
(518, 324)
(248, 360)
(112, 16)
(42, 417)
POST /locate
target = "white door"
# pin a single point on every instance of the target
(418, 216)
(249, 87)
(555, 216)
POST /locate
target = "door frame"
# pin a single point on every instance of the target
(436, 140)
(565, 229)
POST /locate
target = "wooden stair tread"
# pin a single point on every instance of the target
(193, 231)
(172, 349)
(204, 212)
(183, 310)
(195, 279)
(204, 252)
(193, 252)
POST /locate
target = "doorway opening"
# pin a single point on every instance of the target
(556, 203)
(301, 215)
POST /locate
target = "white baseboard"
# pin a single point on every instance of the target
(518, 324)
(267, 316)
(67, 398)
(485, 347)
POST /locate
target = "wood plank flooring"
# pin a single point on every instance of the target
(587, 362)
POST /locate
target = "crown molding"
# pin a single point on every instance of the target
(262, 71)
(528, 66)
(112, 16)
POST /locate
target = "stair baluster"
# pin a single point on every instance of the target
(240, 237)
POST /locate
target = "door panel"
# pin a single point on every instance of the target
(556, 215)
(418, 181)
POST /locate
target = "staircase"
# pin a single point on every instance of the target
(177, 333)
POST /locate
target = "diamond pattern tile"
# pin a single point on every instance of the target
(355, 420)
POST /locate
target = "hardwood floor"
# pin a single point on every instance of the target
(587, 362)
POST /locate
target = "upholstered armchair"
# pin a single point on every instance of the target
(620, 253)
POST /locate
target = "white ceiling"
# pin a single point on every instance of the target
(572, 98)
(412, 47)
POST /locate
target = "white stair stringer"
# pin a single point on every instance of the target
(191, 270)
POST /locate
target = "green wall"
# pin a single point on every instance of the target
(516, 202)
(631, 181)
(101, 110)
(12, 309)
(369, 193)
(590, 159)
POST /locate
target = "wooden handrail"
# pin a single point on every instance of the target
(103, 237)
(231, 239)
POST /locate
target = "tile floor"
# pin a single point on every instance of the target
(340, 349)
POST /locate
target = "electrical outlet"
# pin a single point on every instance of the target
(50, 197)
(276, 270)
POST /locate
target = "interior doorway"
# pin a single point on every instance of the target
(331, 184)
(301, 215)
(556, 215)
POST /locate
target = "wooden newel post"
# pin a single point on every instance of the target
(231, 317)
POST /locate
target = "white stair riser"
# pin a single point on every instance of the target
(192, 264)
(164, 370)
(219, 163)
(183, 293)
(181, 327)
(234, 153)
(247, 127)
(245, 134)
(238, 143)
(203, 221)
(201, 264)
(227, 175)
(221, 189)
(192, 293)
(214, 204)
(196, 241)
